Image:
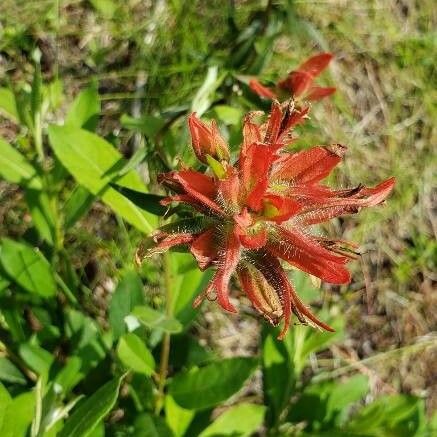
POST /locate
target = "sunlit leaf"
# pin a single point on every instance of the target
(128, 294)
(178, 418)
(242, 420)
(204, 387)
(15, 168)
(85, 109)
(8, 106)
(156, 320)
(27, 267)
(90, 411)
(134, 354)
(10, 373)
(91, 160)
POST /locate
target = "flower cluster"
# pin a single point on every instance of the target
(300, 82)
(251, 214)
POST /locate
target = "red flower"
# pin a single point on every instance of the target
(258, 211)
(299, 83)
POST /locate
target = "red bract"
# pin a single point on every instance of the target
(253, 213)
(300, 82)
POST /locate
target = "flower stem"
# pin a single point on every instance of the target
(165, 350)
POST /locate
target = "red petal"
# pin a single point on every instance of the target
(276, 276)
(228, 263)
(204, 249)
(165, 241)
(279, 208)
(261, 90)
(318, 93)
(309, 256)
(251, 132)
(294, 117)
(316, 64)
(206, 139)
(229, 190)
(254, 167)
(200, 187)
(308, 166)
(375, 196)
(319, 197)
(297, 82)
(274, 124)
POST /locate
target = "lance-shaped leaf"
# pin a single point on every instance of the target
(201, 388)
(93, 162)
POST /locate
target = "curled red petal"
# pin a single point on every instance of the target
(204, 248)
(166, 241)
(261, 90)
(308, 166)
(321, 198)
(200, 187)
(274, 124)
(251, 132)
(316, 64)
(291, 302)
(228, 262)
(297, 82)
(318, 93)
(254, 169)
(307, 255)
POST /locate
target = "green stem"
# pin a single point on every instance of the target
(165, 350)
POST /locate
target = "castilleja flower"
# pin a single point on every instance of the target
(252, 214)
(299, 83)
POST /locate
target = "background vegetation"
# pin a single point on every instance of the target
(70, 223)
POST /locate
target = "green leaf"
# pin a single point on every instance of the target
(346, 393)
(278, 375)
(147, 425)
(77, 205)
(85, 109)
(91, 160)
(178, 418)
(147, 124)
(228, 114)
(27, 267)
(37, 358)
(133, 353)
(8, 106)
(89, 412)
(242, 420)
(145, 201)
(188, 282)
(128, 294)
(156, 320)
(201, 388)
(10, 373)
(393, 414)
(5, 400)
(42, 217)
(15, 168)
(18, 416)
(70, 374)
(205, 95)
